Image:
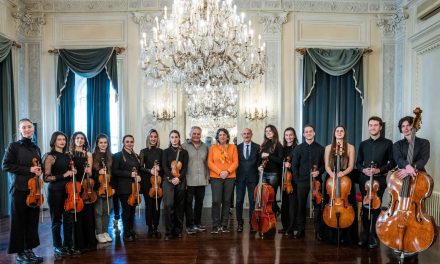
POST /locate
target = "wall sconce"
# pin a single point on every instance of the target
(257, 114)
(164, 115)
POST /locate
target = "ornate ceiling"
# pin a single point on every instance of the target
(340, 6)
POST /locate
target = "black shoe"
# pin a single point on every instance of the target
(299, 234)
(200, 228)
(252, 230)
(150, 233)
(128, 238)
(191, 230)
(372, 242)
(32, 255)
(240, 228)
(60, 252)
(133, 234)
(74, 251)
(24, 258)
(225, 229)
(216, 230)
(363, 240)
(318, 237)
(157, 234)
(288, 233)
(282, 231)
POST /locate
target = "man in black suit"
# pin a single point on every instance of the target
(247, 175)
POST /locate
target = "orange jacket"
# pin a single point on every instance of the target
(220, 159)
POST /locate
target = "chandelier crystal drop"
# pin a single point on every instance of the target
(202, 42)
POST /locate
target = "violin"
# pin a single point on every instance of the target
(338, 213)
(73, 188)
(263, 218)
(105, 190)
(316, 188)
(176, 166)
(371, 199)
(155, 180)
(134, 198)
(35, 198)
(287, 178)
(405, 226)
(88, 195)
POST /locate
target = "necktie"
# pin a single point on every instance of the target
(247, 152)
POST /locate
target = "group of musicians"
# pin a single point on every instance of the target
(183, 171)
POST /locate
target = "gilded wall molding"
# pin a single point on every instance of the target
(29, 23)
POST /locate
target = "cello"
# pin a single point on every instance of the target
(405, 226)
(263, 218)
(338, 213)
(73, 188)
(155, 190)
(35, 198)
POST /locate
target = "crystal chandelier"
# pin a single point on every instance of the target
(203, 42)
(213, 106)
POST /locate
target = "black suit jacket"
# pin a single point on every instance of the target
(248, 168)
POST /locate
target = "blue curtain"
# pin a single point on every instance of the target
(98, 106)
(66, 107)
(335, 100)
(91, 64)
(7, 116)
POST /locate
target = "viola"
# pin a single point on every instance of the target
(316, 188)
(73, 203)
(263, 218)
(338, 213)
(105, 190)
(35, 184)
(287, 178)
(88, 195)
(155, 180)
(134, 198)
(405, 226)
(371, 199)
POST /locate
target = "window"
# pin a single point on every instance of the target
(80, 112)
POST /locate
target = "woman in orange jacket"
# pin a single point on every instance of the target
(222, 163)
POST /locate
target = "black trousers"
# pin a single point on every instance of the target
(24, 224)
(240, 188)
(194, 215)
(370, 223)
(299, 206)
(59, 217)
(116, 208)
(174, 204)
(272, 179)
(221, 195)
(152, 215)
(85, 228)
(287, 209)
(128, 213)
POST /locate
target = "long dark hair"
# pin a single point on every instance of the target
(275, 138)
(295, 140)
(175, 132)
(96, 152)
(53, 139)
(344, 159)
(72, 142)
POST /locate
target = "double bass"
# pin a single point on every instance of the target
(263, 218)
(338, 213)
(73, 203)
(35, 184)
(405, 226)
